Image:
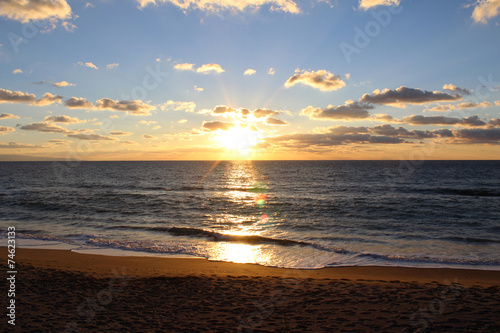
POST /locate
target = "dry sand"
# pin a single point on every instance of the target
(59, 291)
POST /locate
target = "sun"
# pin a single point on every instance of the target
(239, 137)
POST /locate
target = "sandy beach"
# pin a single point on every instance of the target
(59, 290)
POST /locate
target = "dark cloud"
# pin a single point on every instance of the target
(472, 121)
(351, 110)
(6, 129)
(8, 116)
(216, 125)
(274, 121)
(63, 119)
(404, 95)
(18, 145)
(135, 107)
(91, 137)
(45, 128)
(477, 135)
(78, 103)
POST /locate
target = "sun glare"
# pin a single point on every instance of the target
(238, 138)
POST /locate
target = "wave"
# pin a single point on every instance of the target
(427, 260)
(473, 192)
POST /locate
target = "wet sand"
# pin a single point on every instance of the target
(59, 290)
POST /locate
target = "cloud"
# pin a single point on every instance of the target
(148, 122)
(48, 99)
(250, 72)
(184, 67)
(17, 71)
(322, 80)
(87, 64)
(7, 96)
(461, 91)
(63, 84)
(198, 88)
(178, 106)
(287, 6)
(182, 121)
(147, 136)
(472, 121)
(63, 119)
(494, 123)
(135, 107)
(300, 140)
(404, 95)
(25, 11)
(208, 68)
(271, 71)
(460, 106)
(78, 103)
(386, 118)
(91, 137)
(45, 128)
(120, 133)
(6, 129)
(18, 145)
(485, 10)
(111, 66)
(351, 110)
(367, 4)
(8, 116)
(274, 121)
(477, 135)
(216, 125)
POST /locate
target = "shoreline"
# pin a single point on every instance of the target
(149, 266)
(60, 290)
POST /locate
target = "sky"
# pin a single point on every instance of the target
(249, 79)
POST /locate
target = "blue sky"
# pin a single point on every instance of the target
(139, 65)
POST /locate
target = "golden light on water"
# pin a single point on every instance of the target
(237, 252)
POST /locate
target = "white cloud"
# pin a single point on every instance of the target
(17, 71)
(87, 64)
(184, 67)
(178, 106)
(111, 66)
(208, 68)
(63, 84)
(271, 71)
(250, 72)
(485, 10)
(198, 88)
(288, 6)
(367, 4)
(322, 80)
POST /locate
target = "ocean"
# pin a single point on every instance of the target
(295, 214)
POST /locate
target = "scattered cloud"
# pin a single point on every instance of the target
(184, 67)
(18, 145)
(78, 103)
(178, 106)
(216, 125)
(25, 11)
(91, 137)
(452, 87)
(63, 84)
(271, 71)
(351, 110)
(367, 4)
(208, 68)
(472, 121)
(288, 6)
(198, 88)
(322, 80)
(64, 119)
(48, 99)
(460, 106)
(274, 121)
(111, 66)
(182, 121)
(477, 135)
(7, 96)
(87, 64)
(148, 122)
(8, 116)
(485, 10)
(120, 133)
(45, 127)
(386, 118)
(4, 129)
(250, 72)
(135, 107)
(17, 71)
(147, 136)
(404, 95)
